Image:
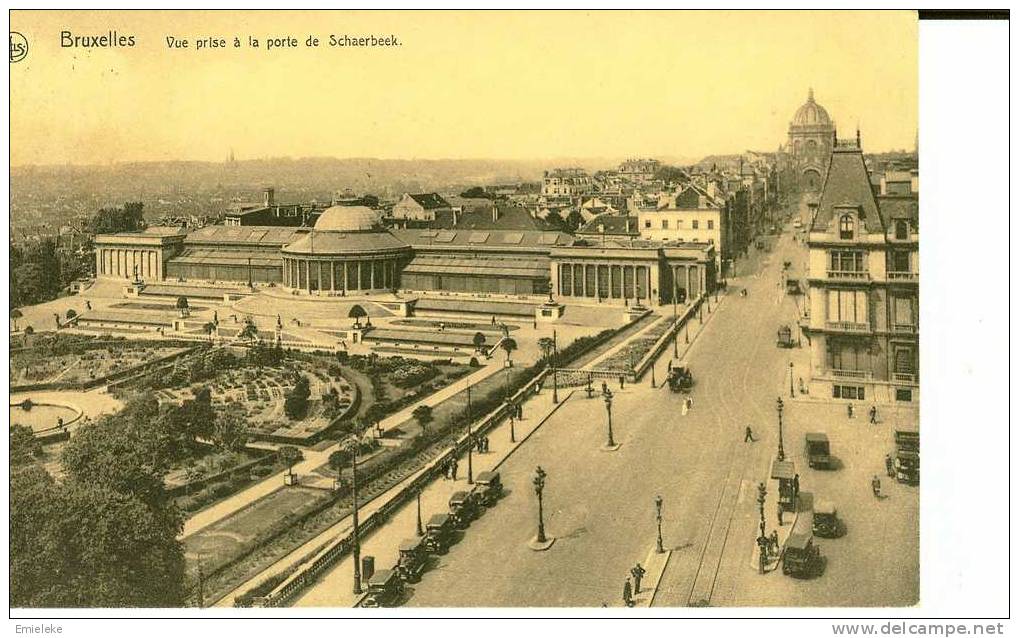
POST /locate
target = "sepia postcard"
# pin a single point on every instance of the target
(464, 309)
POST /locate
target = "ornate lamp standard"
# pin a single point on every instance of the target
(791, 395)
(539, 489)
(762, 492)
(781, 450)
(420, 529)
(675, 340)
(555, 375)
(357, 543)
(658, 516)
(470, 441)
(608, 411)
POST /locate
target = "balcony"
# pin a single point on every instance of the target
(850, 374)
(858, 275)
(902, 276)
(903, 377)
(848, 326)
(904, 328)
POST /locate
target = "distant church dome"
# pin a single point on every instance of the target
(348, 219)
(811, 113)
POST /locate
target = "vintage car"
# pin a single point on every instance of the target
(384, 589)
(801, 558)
(818, 450)
(438, 534)
(413, 557)
(907, 457)
(785, 337)
(462, 509)
(487, 488)
(680, 378)
(826, 520)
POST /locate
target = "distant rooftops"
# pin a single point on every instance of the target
(429, 201)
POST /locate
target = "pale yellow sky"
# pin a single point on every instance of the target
(462, 84)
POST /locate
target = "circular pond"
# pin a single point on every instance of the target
(42, 417)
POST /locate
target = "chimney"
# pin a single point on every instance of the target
(269, 197)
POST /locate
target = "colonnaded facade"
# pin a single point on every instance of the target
(348, 252)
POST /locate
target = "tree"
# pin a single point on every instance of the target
(423, 414)
(15, 315)
(295, 405)
(71, 314)
(25, 448)
(479, 340)
(338, 460)
(509, 345)
(555, 221)
(209, 328)
(546, 344)
(230, 430)
(356, 313)
(183, 307)
(289, 456)
(249, 332)
(574, 221)
(474, 192)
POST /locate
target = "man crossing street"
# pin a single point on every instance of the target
(749, 435)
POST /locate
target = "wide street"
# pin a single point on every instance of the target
(599, 505)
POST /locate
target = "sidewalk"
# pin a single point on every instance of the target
(335, 587)
(316, 458)
(402, 524)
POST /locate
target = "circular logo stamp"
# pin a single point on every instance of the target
(19, 47)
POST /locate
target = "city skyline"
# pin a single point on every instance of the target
(428, 100)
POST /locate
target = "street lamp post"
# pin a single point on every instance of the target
(555, 373)
(420, 529)
(357, 542)
(791, 394)
(608, 411)
(539, 489)
(675, 340)
(781, 450)
(762, 492)
(513, 436)
(658, 516)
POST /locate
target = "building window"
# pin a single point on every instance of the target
(665, 224)
(902, 309)
(846, 227)
(901, 229)
(847, 261)
(900, 261)
(905, 360)
(902, 394)
(848, 306)
(695, 224)
(711, 224)
(848, 392)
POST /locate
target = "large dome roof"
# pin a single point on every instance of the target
(347, 219)
(811, 113)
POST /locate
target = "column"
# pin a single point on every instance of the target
(307, 278)
(687, 283)
(346, 275)
(371, 276)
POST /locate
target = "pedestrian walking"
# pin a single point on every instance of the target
(454, 468)
(638, 574)
(88, 305)
(873, 414)
(669, 368)
(628, 594)
(875, 486)
(487, 448)
(780, 513)
(889, 466)
(849, 410)
(796, 485)
(773, 539)
(749, 435)
(621, 382)
(447, 470)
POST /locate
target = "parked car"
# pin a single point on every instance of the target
(818, 450)
(384, 589)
